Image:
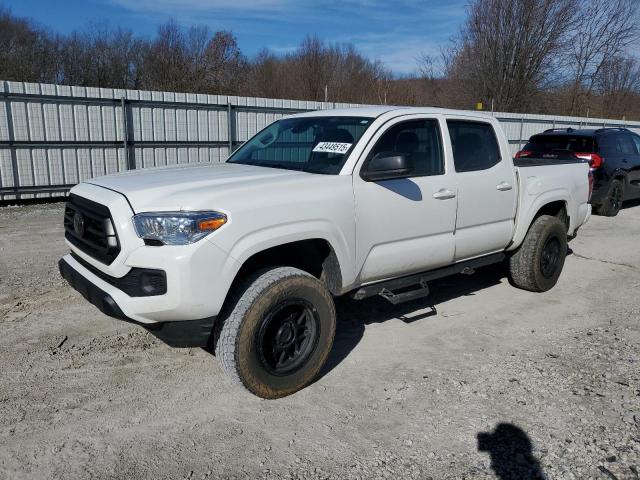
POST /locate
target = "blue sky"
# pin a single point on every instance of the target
(395, 32)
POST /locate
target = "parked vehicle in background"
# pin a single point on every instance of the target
(246, 256)
(614, 156)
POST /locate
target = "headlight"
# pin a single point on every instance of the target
(177, 228)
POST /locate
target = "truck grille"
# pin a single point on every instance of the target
(88, 226)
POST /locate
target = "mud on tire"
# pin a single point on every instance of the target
(537, 264)
(277, 332)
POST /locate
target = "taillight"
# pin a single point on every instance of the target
(595, 160)
(524, 153)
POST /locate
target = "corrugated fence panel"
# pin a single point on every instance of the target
(54, 136)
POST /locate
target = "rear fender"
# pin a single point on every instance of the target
(529, 207)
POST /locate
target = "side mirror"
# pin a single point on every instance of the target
(387, 166)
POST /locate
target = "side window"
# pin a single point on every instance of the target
(636, 140)
(608, 146)
(625, 143)
(420, 141)
(474, 145)
(617, 145)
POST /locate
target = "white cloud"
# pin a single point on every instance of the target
(395, 32)
(400, 54)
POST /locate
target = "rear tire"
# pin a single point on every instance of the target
(278, 332)
(613, 200)
(537, 264)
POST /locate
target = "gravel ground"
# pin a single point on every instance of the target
(496, 383)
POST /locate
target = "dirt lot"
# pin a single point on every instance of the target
(498, 383)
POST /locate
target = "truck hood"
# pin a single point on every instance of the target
(194, 186)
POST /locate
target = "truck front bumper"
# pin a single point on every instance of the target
(183, 333)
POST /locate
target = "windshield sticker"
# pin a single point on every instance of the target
(332, 147)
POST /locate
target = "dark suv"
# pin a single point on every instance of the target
(614, 156)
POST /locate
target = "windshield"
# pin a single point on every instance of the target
(310, 144)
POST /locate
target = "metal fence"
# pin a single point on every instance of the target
(54, 136)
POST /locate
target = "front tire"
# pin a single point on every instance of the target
(537, 264)
(613, 201)
(278, 333)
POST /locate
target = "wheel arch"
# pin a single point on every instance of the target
(620, 175)
(315, 256)
(554, 204)
(623, 177)
(556, 208)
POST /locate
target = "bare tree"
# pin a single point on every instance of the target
(305, 72)
(28, 52)
(193, 60)
(269, 76)
(102, 57)
(354, 77)
(603, 29)
(618, 85)
(166, 62)
(315, 66)
(542, 56)
(225, 65)
(506, 48)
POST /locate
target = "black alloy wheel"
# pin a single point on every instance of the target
(276, 332)
(550, 257)
(613, 201)
(288, 336)
(616, 197)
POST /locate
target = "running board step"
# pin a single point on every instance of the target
(386, 288)
(421, 291)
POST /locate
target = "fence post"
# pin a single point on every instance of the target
(521, 132)
(127, 138)
(231, 133)
(12, 147)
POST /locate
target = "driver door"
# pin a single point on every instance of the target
(407, 224)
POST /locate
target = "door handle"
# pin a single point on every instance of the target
(444, 194)
(504, 186)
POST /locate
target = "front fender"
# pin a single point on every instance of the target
(262, 239)
(275, 235)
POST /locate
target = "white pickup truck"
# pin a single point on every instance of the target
(245, 256)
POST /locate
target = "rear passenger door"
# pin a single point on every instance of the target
(486, 188)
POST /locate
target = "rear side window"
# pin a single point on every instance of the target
(636, 140)
(618, 144)
(474, 145)
(558, 143)
(608, 146)
(419, 140)
(625, 144)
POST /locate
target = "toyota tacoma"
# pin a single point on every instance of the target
(245, 257)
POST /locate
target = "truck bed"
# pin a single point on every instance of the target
(545, 180)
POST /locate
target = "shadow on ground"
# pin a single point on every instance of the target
(511, 453)
(631, 204)
(354, 315)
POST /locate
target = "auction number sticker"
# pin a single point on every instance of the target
(332, 147)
